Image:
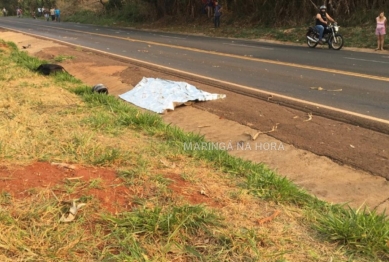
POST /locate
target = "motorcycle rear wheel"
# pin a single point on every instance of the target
(310, 43)
(338, 44)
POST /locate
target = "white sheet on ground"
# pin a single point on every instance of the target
(159, 95)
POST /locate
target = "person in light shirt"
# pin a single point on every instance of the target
(52, 13)
(380, 31)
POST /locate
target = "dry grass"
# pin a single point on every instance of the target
(183, 209)
(41, 120)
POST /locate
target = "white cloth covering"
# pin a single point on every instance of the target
(158, 95)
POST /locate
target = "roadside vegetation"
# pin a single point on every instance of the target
(243, 212)
(281, 20)
(359, 36)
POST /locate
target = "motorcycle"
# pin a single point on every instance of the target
(330, 37)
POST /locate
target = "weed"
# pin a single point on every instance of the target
(362, 230)
(95, 183)
(5, 198)
(190, 177)
(176, 225)
(61, 58)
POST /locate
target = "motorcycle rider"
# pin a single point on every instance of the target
(322, 19)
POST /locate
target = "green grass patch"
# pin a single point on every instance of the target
(361, 230)
(62, 58)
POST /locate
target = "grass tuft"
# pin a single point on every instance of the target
(363, 231)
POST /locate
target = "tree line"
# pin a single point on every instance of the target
(263, 12)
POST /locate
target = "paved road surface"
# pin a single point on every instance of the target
(283, 69)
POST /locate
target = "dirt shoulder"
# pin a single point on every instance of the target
(337, 162)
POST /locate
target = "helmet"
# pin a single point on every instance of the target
(100, 88)
(323, 7)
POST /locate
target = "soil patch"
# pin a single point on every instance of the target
(71, 183)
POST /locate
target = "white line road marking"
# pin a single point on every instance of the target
(366, 60)
(267, 48)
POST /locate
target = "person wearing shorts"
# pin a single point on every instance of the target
(380, 31)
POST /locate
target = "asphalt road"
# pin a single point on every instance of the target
(283, 69)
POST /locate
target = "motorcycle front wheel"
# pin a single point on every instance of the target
(337, 42)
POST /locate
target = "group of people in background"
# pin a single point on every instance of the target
(213, 9)
(53, 13)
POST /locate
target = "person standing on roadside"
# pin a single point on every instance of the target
(4, 12)
(19, 12)
(52, 13)
(380, 31)
(218, 13)
(209, 8)
(57, 13)
(46, 15)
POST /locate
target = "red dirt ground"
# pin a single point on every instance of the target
(111, 194)
(185, 189)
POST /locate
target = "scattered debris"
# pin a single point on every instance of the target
(202, 126)
(328, 90)
(47, 69)
(255, 136)
(167, 164)
(295, 117)
(317, 88)
(269, 97)
(74, 178)
(27, 46)
(352, 146)
(309, 117)
(100, 88)
(71, 214)
(52, 192)
(64, 165)
(269, 218)
(6, 178)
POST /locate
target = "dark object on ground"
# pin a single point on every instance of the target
(100, 88)
(27, 46)
(47, 69)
